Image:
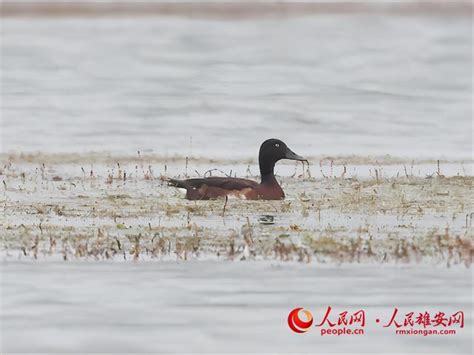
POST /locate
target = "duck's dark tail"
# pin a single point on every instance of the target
(175, 182)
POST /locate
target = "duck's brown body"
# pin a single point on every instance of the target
(215, 187)
(271, 151)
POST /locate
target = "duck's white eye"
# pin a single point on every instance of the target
(277, 145)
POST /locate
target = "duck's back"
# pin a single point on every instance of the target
(214, 187)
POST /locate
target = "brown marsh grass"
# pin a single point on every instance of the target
(123, 211)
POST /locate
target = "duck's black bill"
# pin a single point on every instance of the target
(293, 156)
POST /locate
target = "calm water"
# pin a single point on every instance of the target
(338, 84)
(238, 307)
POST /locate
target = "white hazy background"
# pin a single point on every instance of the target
(327, 83)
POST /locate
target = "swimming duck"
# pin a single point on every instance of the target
(271, 151)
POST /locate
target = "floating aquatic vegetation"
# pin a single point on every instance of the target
(61, 209)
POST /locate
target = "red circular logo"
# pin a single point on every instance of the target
(297, 324)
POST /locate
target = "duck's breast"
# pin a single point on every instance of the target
(264, 192)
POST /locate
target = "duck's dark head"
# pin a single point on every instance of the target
(271, 151)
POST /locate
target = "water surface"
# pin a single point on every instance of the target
(332, 84)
